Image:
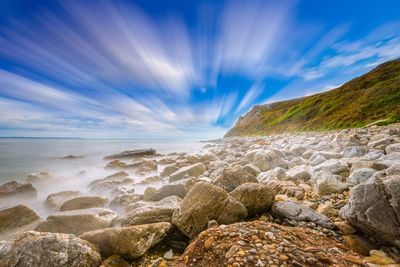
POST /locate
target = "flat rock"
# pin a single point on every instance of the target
(133, 154)
(55, 200)
(84, 202)
(129, 242)
(34, 249)
(194, 170)
(17, 189)
(77, 222)
(177, 188)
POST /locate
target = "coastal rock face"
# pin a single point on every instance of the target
(229, 179)
(143, 212)
(268, 159)
(17, 189)
(17, 219)
(34, 249)
(54, 201)
(132, 154)
(194, 170)
(203, 203)
(84, 202)
(259, 243)
(374, 208)
(255, 197)
(299, 212)
(77, 222)
(129, 242)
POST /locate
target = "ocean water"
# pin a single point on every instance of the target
(20, 157)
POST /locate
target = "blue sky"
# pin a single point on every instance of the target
(161, 69)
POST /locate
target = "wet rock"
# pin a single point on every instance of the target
(299, 212)
(255, 197)
(17, 189)
(143, 212)
(128, 242)
(374, 208)
(205, 202)
(54, 201)
(84, 202)
(133, 154)
(229, 179)
(194, 170)
(77, 222)
(34, 249)
(16, 220)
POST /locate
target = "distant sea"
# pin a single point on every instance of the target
(22, 156)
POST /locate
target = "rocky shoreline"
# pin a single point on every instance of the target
(299, 199)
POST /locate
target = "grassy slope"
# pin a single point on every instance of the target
(371, 97)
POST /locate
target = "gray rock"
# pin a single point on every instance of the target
(231, 178)
(298, 212)
(392, 148)
(34, 249)
(299, 173)
(326, 183)
(277, 173)
(374, 208)
(205, 202)
(129, 242)
(359, 176)
(268, 159)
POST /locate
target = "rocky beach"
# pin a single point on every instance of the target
(295, 199)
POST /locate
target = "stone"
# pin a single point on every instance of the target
(374, 208)
(168, 170)
(143, 212)
(177, 188)
(392, 148)
(359, 244)
(288, 188)
(333, 166)
(326, 183)
(325, 208)
(277, 173)
(380, 258)
(268, 159)
(17, 219)
(115, 176)
(41, 178)
(255, 197)
(345, 227)
(116, 164)
(115, 261)
(194, 170)
(35, 249)
(17, 189)
(122, 201)
(205, 202)
(84, 202)
(299, 173)
(132, 154)
(355, 151)
(129, 242)
(359, 176)
(229, 179)
(298, 212)
(77, 222)
(381, 143)
(115, 187)
(252, 169)
(54, 201)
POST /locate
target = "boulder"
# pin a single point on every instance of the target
(177, 188)
(54, 201)
(355, 151)
(17, 189)
(115, 261)
(255, 197)
(288, 188)
(115, 187)
(143, 212)
(77, 222)
(392, 148)
(40, 178)
(168, 170)
(359, 176)
(129, 242)
(84, 202)
(16, 220)
(115, 176)
(333, 166)
(194, 170)
(298, 212)
(325, 183)
(374, 208)
(132, 154)
(231, 178)
(205, 202)
(268, 159)
(381, 143)
(34, 249)
(277, 173)
(252, 169)
(122, 201)
(299, 173)
(116, 164)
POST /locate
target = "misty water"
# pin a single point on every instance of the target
(20, 157)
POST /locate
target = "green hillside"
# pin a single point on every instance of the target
(372, 97)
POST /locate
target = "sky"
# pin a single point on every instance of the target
(177, 69)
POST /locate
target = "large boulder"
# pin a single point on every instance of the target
(16, 220)
(277, 173)
(359, 176)
(54, 201)
(84, 202)
(205, 202)
(194, 170)
(355, 151)
(113, 177)
(143, 212)
(393, 148)
(177, 188)
(333, 166)
(132, 154)
(231, 178)
(34, 249)
(116, 187)
(288, 188)
(129, 242)
(122, 201)
(374, 208)
(298, 212)
(268, 159)
(77, 222)
(17, 189)
(325, 183)
(299, 173)
(255, 197)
